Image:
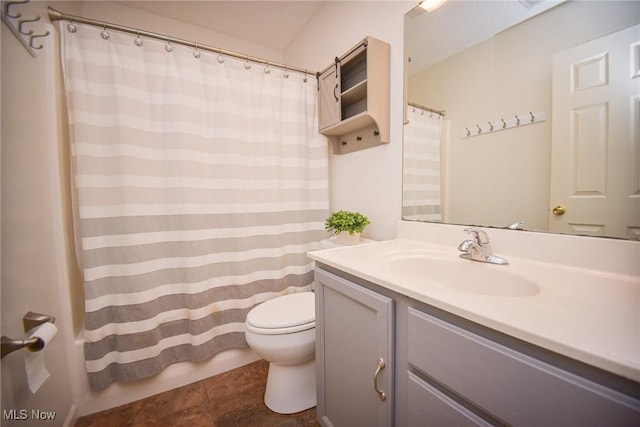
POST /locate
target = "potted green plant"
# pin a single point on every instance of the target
(347, 226)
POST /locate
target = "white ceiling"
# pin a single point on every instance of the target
(269, 23)
(459, 24)
(455, 26)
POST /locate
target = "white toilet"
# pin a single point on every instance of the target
(283, 332)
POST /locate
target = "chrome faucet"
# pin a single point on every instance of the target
(516, 225)
(479, 248)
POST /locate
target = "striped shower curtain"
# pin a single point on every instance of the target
(421, 166)
(199, 185)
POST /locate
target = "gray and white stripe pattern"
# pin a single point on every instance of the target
(421, 166)
(199, 186)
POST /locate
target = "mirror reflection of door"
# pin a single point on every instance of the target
(596, 137)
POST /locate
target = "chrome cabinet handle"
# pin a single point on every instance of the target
(380, 367)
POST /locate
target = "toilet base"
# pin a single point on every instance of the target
(291, 388)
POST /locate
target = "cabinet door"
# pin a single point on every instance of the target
(429, 407)
(354, 331)
(329, 99)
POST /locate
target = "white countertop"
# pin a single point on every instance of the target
(589, 315)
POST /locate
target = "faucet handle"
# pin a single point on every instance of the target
(478, 235)
(516, 225)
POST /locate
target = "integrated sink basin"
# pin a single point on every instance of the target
(457, 274)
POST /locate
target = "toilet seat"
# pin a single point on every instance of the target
(283, 315)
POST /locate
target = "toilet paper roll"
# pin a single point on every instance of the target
(37, 372)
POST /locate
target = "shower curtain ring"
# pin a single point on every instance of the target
(304, 79)
(220, 57)
(286, 73)
(104, 33)
(168, 47)
(267, 70)
(196, 53)
(71, 27)
(138, 41)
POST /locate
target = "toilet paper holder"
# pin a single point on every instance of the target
(29, 321)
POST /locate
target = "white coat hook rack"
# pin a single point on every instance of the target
(18, 25)
(503, 123)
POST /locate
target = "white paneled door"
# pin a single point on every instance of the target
(595, 179)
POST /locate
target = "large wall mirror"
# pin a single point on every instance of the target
(541, 123)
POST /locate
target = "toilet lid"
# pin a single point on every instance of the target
(284, 312)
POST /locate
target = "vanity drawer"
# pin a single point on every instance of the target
(428, 406)
(509, 385)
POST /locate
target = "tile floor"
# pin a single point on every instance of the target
(231, 399)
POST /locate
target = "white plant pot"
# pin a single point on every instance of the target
(348, 239)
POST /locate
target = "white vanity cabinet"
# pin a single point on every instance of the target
(486, 381)
(354, 354)
(447, 371)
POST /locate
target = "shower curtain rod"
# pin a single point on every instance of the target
(422, 107)
(55, 15)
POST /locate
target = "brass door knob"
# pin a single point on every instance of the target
(559, 210)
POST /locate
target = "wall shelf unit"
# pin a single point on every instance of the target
(353, 100)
